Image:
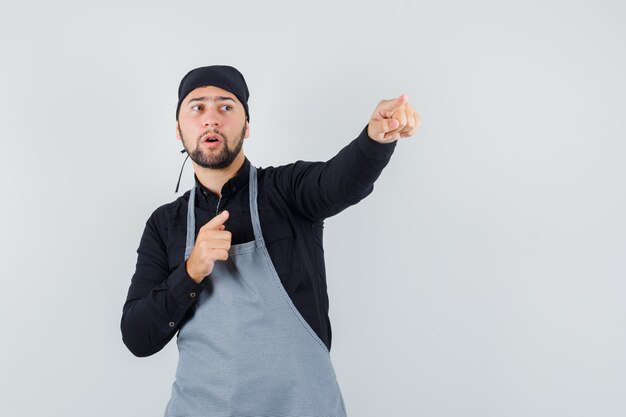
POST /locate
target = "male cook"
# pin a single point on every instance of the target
(235, 266)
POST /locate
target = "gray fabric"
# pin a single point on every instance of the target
(191, 223)
(247, 351)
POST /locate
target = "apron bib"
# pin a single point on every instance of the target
(247, 351)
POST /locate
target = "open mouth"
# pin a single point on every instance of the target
(211, 140)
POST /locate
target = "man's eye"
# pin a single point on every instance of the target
(227, 107)
(197, 107)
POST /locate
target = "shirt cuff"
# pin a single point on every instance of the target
(373, 149)
(184, 289)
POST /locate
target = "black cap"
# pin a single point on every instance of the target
(222, 76)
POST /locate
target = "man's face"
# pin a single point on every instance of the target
(212, 126)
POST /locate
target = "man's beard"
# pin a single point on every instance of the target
(215, 160)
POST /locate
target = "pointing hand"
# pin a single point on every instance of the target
(393, 119)
(212, 244)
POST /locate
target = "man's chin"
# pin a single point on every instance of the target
(214, 163)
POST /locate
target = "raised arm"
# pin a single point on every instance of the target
(322, 189)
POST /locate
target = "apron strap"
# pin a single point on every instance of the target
(254, 208)
(191, 223)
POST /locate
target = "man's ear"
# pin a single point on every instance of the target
(245, 136)
(178, 131)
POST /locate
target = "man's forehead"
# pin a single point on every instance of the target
(210, 93)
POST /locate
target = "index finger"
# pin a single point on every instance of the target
(391, 105)
(217, 221)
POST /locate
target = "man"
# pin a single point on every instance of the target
(236, 265)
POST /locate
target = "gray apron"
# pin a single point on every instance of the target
(247, 351)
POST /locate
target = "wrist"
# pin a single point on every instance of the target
(372, 148)
(194, 275)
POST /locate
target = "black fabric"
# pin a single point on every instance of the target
(293, 202)
(222, 76)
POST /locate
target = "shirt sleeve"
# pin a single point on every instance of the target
(158, 298)
(319, 190)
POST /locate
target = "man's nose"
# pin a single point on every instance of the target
(211, 118)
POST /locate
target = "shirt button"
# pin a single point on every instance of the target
(171, 324)
(193, 294)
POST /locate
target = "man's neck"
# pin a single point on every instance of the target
(214, 179)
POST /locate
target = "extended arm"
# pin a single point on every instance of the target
(322, 189)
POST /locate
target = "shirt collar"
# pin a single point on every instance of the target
(231, 186)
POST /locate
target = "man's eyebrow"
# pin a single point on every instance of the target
(217, 98)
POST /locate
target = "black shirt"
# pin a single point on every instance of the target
(293, 201)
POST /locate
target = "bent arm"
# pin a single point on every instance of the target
(158, 298)
(322, 189)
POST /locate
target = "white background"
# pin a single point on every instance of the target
(483, 277)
